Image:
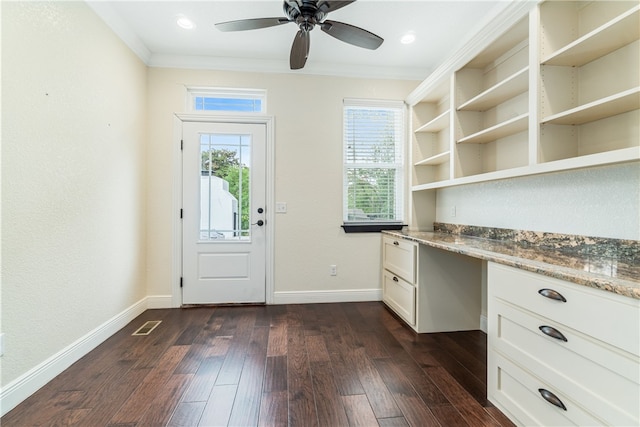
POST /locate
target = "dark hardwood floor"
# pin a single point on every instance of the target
(347, 364)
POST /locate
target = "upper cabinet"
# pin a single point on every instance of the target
(557, 89)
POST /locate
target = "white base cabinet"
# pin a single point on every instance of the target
(430, 289)
(560, 353)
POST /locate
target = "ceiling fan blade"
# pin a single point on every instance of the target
(327, 6)
(352, 35)
(250, 24)
(300, 50)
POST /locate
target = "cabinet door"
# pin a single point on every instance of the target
(400, 296)
(399, 257)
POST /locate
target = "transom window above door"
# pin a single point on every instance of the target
(227, 100)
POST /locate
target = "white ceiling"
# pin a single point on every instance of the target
(441, 27)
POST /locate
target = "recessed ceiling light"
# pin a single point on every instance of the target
(408, 38)
(184, 22)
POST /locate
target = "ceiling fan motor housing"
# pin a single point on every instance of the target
(304, 13)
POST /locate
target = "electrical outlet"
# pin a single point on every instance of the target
(453, 211)
(333, 270)
(281, 207)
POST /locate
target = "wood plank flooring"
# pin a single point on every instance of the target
(346, 364)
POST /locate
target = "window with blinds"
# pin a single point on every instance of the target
(373, 138)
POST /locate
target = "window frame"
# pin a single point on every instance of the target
(352, 226)
(220, 92)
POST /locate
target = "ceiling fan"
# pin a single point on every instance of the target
(306, 14)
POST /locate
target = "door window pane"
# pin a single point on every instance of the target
(224, 187)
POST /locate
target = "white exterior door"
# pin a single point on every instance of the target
(224, 221)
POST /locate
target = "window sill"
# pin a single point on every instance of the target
(366, 227)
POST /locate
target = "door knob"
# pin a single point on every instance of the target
(260, 223)
(260, 210)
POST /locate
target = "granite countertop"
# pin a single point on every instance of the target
(614, 270)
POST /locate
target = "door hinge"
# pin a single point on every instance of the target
(181, 282)
(180, 213)
(181, 144)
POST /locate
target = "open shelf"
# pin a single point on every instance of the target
(504, 90)
(437, 124)
(602, 108)
(501, 130)
(607, 158)
(438, 159)
(556, 89)
(611, 36)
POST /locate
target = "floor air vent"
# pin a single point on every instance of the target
(147, 327)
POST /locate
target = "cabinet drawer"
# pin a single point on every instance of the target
(603, 379)
(399, 257)
(517, 392)
(400, 296)
(610, 318)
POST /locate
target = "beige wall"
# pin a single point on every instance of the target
(308, 175)
(73, 179)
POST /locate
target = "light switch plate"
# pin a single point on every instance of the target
(281, 207)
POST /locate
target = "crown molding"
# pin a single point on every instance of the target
(282, 66)
(105, 11)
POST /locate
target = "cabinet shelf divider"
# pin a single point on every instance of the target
(438, 159)
(506, 128)
(513, 85)
(618, 103)
(437, 124)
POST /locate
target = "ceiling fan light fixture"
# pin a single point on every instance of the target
(184, 22)
(408, 38)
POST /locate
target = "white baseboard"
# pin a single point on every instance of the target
(160, 301)
(28, 383)
(310, 297)
(483, 323)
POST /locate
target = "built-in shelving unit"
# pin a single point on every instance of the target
(589, 78)
(557, 89)
(431, 152)
(492, 106)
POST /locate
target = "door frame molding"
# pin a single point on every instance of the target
(176, 264)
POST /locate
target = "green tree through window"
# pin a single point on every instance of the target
(373, 144)
(225, 165)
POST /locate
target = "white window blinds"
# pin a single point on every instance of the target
(373, 138)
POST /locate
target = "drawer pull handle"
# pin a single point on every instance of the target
(551, 294)
(551, 398)
(553, 333)
(395, 242)
(395, 279)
